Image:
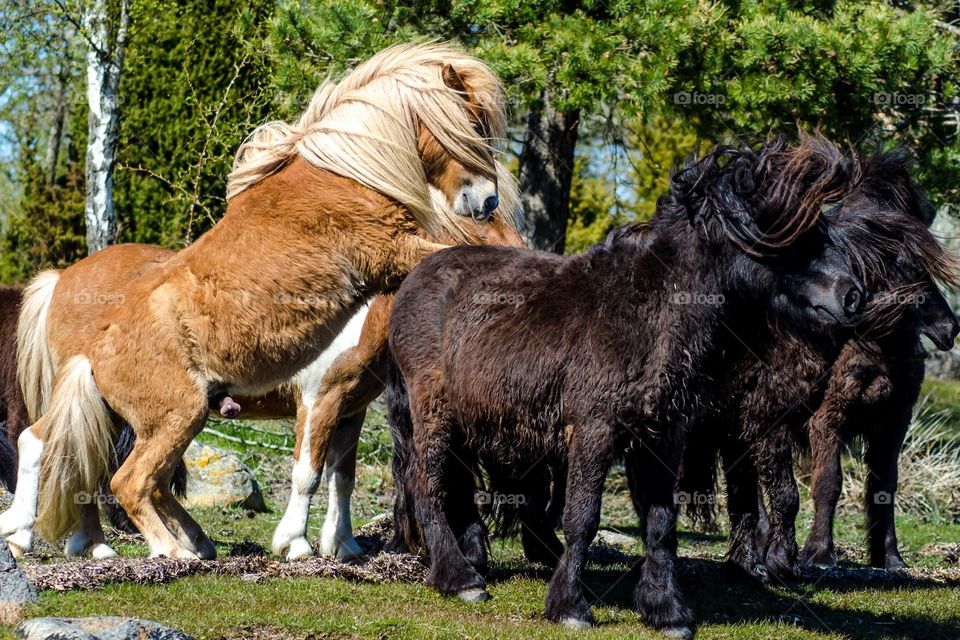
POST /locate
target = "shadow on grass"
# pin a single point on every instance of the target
(718, 597)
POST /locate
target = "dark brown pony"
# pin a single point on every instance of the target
(518, 360)
(13, 412)
(786, 387)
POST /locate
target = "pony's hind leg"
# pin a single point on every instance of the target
(826, 486)
(142, 483)
(537, 528)
(882, 449)
(16, 523)
(588, 464)
(743, 486)
(450, 571)
(89, 537)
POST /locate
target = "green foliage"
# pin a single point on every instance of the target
(593, 208)
(48, 230)
(641, 168)
(865, 72)
(862, 71)
(192, 90)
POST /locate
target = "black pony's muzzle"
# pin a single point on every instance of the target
(943, 334)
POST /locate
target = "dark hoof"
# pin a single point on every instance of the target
(546, 553)
(474, 595)
(820, 562)
(753, 573)
(893, 561)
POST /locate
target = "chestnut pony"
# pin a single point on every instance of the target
(328, 397)
(328, 211)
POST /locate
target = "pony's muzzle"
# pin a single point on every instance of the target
(841, 297)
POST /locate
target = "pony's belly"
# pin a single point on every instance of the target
(279, 402)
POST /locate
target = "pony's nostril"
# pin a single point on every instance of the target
(852, 301)
(491, 203)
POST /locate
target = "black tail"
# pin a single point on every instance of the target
(121, 451)
(8, 461)
(407, 535)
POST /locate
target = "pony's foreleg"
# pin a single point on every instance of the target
(291, 534)
(587, 470)
(89, 537)
(16, 523)
(882, 450)
(336, 537)
(658, 596)
(775, 465)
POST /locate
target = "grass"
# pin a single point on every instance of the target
(221, 607)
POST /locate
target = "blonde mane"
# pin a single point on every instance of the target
(365, 128)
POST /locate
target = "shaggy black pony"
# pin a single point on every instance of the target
(519, 361)
(787, 387)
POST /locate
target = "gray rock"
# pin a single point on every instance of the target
(616, 540)
(217, 478)
(98, 628)
(15, 589)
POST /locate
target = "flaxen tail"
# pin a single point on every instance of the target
(78, 442)
(35, 366)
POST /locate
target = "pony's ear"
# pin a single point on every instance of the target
(451, 78)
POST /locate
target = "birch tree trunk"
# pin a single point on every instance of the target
(106, 36)
(546, 171)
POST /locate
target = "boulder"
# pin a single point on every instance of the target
(15, 589)
(96, 628)
(616, 540)
(217, 478)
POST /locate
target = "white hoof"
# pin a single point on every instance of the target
(176, 553)
(678, 633)
(299, 549)
(102, 552)
(573, 623)
(474, 595)
(20, 542)
(345, 550)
